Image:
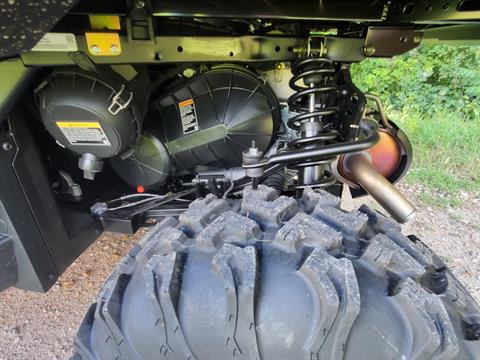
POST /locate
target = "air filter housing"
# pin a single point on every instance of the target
(95, 114)
(206, 122)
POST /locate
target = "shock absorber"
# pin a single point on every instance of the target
(330, 119)
(314, 101)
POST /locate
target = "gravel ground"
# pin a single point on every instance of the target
(42, 326)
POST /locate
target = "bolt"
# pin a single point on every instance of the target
(189, 72)
(95, 49)
(114, 49)
(7, 146)
(253, 148)
(369, 50)
(417, 39)
(139, 4)
(11, 2)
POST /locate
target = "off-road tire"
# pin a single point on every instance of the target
(271, 277)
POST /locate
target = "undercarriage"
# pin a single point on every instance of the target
(220, 125)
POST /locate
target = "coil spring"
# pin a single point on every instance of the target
(316, 74)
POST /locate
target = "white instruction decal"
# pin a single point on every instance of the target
(57, 42)
(188, 116)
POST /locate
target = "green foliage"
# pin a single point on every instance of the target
(432, 77)
(433, 93)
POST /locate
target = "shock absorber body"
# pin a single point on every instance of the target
(314, 102)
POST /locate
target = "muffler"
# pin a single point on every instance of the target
(359, 166)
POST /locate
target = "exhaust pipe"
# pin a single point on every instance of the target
(359, 165)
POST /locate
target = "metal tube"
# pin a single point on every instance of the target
(360, 166)
(292, 156)
(378, 102)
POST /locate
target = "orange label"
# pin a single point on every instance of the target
(185, 103)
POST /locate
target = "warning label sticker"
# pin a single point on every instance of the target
(56, 42)
(188, 116)
(83, 133)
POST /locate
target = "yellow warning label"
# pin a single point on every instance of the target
(83, 132)
(74, 124)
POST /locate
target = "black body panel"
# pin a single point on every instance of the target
(47, 238)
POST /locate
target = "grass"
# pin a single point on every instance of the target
(443, 202)
(446, 152)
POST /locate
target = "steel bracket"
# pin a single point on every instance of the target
(140, 23)
(211, 49)
(390, 41)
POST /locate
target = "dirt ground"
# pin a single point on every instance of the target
(42, 326)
